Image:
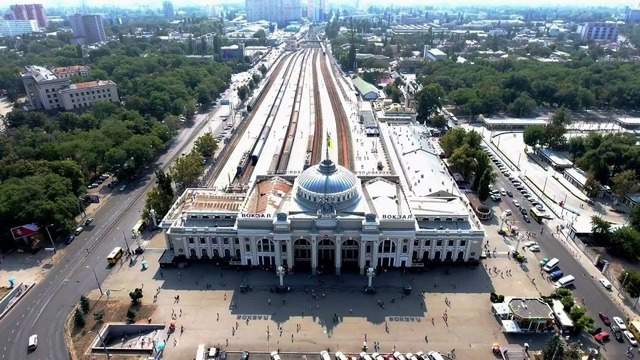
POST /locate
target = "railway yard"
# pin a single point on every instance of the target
(300, 105)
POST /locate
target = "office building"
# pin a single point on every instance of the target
(167, 9)
(11, 28)
(316, 10)
(87, 29)
(599, 31)
(45, 90)
(633, 16)
(42, 87)
(28, 12)
(278, 11)
(86, 94)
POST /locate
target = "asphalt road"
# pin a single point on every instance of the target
(596, 299)
(44, 309)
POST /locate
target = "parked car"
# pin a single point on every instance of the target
(523, 211)
(601, 336)
(526, 219)
(516, 203)
(619, 322)
(93, 185)
(605, 283)
(605, 319)
(632, 340)
(244, 355)
(88, 221)
(509, 193)
(78, 230)
(69, 239)
(618, 335)
(534, 248)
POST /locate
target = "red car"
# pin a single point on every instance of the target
(605, 319)
(602, 336)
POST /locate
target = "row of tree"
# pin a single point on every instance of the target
(466, 156)
(623, 241)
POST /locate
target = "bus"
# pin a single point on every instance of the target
(136, 230)
(551, 265)
(115, 255)
(538, 215)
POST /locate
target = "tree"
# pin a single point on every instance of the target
(482, 164)
(438, 121)
(187, 169)
(429, 100)
(160, 198)
(624, 183)
(98, 316)
(262, 69)
(78, 319)
(522, 106)
(84, 304)
(630, 279)
(534, 135)
(592, 187)
(453, 139)
(483, 186)
(135, 296)
(206, 145)
(600, 229)
(553, 349)
(243, 92)
(634, 217)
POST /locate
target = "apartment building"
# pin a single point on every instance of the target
(87, 29)
(10, 28)
(86, 94)
(42, 87)
(599, 31)
(28, 12)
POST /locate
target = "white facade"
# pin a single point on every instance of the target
(12, 28)
(42, 87)
(82, 95)
(599, 31)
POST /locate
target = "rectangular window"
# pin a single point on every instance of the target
(427, 243)
(247, 248)
(190, 240)
(214, 241)
(450, 243)
(439, 243)
(226, 241)
(203, 241)
(463, 242)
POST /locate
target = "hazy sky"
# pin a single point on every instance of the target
(157, 3)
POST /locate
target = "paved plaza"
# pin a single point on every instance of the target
(329, 312)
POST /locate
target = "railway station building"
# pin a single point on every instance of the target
(326, 219)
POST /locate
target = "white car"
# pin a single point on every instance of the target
(534, 248)
(618, 321)
(516, 203)
(33, 343)
(630, 337)
(605, 283)
(274, 355)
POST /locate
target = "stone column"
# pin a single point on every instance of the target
(362, 253)
(242, 252)
(314, 254)
(278, 252)
(254, 251)
(290, 254)
(338, 256)
(374, 256)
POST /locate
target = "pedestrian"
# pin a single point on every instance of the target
(218, 317)
(426, 339)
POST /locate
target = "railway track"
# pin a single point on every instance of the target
(316, 149)
(239, 133)
(248, 163)
(282, 158)
(345, 157)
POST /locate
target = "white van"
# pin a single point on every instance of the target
(564, 281)
(550, 265)
(377, 356)
(325, 355)
(33, 342)
(433, 355)
(341, 356)
(213, 352)
(410, 356)
(365, 356)
(201, 353)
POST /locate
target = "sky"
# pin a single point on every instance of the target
(158, 3)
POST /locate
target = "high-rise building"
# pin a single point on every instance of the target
(12, 28)
(316, 10)
(28, 12)
(167, 9)
(599, 31)
(278, 11)
(87, 29)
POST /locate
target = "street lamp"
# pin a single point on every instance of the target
(280, 272)
(96, 277)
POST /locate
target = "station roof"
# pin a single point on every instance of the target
(364, 87)
(532, 308)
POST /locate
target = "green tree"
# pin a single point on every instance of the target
(634, 217)
(98, 316)
(592, 187)
(453, 139)
(243, 92)
(131, 316)
(630, 279)
(84, 304)
(600, 229)
(438, 121)
(483, 186)
(187, 169)
(135, 296)
(553, 349)
(534, 135)
(160, 198)
(624, 183)
(482, 164)
(78, 319)
(429, 100)
(206, 145)
(522, 106)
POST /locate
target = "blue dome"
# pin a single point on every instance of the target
(327, 183)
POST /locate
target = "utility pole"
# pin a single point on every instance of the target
(97, 281)
(50, 239)
(125, 242)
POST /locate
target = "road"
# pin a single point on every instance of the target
(44, 309)
(596, 299)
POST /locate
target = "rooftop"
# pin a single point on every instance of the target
(90, 84)
(364, 87)
(530, 308)
(59, 71)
